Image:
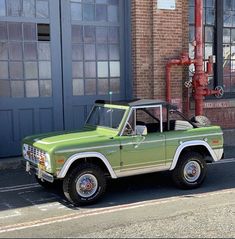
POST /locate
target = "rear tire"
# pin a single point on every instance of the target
(84, 185)
(190, 171)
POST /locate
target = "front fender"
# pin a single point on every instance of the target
(78, 156)
(215, 155)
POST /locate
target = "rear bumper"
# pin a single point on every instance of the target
(30, 168)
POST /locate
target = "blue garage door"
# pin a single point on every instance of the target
(56, 58)
(96, 55)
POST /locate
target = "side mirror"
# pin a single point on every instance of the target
(141, 130)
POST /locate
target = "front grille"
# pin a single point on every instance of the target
(33, 154)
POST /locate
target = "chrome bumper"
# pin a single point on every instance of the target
(40, 173)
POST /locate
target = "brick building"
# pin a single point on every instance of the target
(57, 57)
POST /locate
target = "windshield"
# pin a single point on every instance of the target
(106, 117)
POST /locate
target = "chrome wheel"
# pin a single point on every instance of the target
(86, 185)
(192, 171)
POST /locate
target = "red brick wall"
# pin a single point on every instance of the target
(142, 51)
(157, 36)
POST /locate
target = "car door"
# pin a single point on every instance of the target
(142, 153)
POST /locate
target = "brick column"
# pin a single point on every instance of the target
(142, 48)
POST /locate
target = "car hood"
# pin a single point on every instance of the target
(65, 139)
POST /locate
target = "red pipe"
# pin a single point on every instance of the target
(200, 78)
(184, 60)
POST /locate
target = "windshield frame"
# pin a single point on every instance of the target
(110, 106)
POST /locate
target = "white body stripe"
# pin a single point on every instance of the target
(64, 140)
(216, 155)
(78, 156)
(117, 145)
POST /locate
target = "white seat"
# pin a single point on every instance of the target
(182, 125)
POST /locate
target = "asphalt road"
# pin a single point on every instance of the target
(140, 206)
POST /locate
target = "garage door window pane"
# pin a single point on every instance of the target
(3, 30)
(44, 51)
(88, 12)
(101, 34)
(4, 70)
(14, 8)
(114, 69)
(78, 87)
(77, 34)
(76, 11)
(90, 69)
(114, 52)
(115, 85)
(103, 86)
(45, 70)
(103, 70)
(15, 31)
(77, 52)
(15, 51)
(30, 51)
(90, 86)
(113, 35)
(42, 9)
(4, 88)
(113, 13)
(102, 52)
(2, 8)
(29, 8)
(31, 70)
(16, 70)
(77, 69)
(3, 51)
(101, 13)
(17, 89)
(45, 88)
(32, 89)
(89, 34)
(29, 32)
(89, 52)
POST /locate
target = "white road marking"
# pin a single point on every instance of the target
(19, 187)
(7, 211)
(224, 161)
(100, 211)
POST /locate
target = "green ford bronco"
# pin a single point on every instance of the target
(121, 139)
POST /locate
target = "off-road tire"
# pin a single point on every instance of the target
(179, 174)
(71, 180)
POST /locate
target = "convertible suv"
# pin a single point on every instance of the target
(121, 139)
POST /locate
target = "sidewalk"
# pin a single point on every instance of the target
(229, 151)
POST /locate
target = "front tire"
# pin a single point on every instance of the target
(84, 185)
(190, 171)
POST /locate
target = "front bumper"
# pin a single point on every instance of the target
(30, 168)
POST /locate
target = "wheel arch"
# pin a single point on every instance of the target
(198, 146)
(91, 157)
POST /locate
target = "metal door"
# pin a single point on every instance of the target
(96, 55)
(56, 59)
(30, 71)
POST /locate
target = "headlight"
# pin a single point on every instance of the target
(47, 161)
